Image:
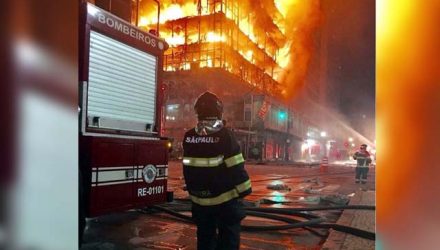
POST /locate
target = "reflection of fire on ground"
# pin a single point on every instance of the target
(310, 187)
(161, 231)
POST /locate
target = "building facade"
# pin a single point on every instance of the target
(234, 49)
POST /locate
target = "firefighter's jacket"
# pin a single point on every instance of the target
(213, 168)
(363, 158)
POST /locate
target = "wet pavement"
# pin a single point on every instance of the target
(283, 186)
(362, 219)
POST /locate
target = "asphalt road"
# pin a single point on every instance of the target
(294, 186)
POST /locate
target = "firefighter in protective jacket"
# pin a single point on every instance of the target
(216, 179)
(363, 161)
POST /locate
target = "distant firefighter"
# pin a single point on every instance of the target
(363, 161)
(213, 167)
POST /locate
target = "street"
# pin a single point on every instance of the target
(275, 185)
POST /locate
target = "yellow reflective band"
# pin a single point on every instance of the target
(234, 160)
(203, 162)
(227, 196)
(243, 186)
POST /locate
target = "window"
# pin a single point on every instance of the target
(247, 115)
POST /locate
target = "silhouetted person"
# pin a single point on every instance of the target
(213, 167)
(363, 161)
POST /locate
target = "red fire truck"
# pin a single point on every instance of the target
(123, 158)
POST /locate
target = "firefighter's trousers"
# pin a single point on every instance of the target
(361, 173)
(218, 227)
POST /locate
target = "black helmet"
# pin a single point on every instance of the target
(208, 107)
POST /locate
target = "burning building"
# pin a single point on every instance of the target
(239, 50)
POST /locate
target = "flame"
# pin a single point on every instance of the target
(229, 15)
(247, 29)
(186, 66)
(214, 37)
(281, 24)
(283, 57)
(179, 38)
(283, 6)
(174, 11)
(303, 18)
(209, 62)
(247, 55)
(169, 12)
(143, 21)
(292, 58)
(175, 40)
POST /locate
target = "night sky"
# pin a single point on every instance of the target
(351, 60)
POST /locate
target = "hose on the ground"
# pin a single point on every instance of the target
(346, 229)
(291, 223)
(314, 221)
(183, 207)
(300, 209)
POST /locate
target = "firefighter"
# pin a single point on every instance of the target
(215, 177)
(363, 161)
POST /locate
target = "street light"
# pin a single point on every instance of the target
(323, 134)
(350, 139)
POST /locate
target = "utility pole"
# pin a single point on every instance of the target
(286, 152)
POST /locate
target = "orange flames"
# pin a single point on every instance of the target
(214, 37)
(292, 57)
(246, 28)
(302, 18)
(170, 12)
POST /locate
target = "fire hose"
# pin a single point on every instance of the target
(279, 214)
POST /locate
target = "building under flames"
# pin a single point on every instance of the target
(234, 49)
(237, 49)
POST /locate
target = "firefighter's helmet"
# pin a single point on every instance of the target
(208, 107)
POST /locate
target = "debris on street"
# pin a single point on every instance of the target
(278, 187)
(337, 199)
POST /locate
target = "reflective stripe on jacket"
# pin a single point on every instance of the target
(213, 167)
(363, 159)
(213, 162)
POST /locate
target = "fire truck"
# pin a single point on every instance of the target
(123, 159)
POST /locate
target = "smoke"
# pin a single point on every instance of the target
(337, 125)
(302, 20)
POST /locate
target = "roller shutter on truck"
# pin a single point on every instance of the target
(123, 158)
(122, 86)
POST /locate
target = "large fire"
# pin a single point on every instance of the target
(302, 18)
(283, 56)
(170, 11)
